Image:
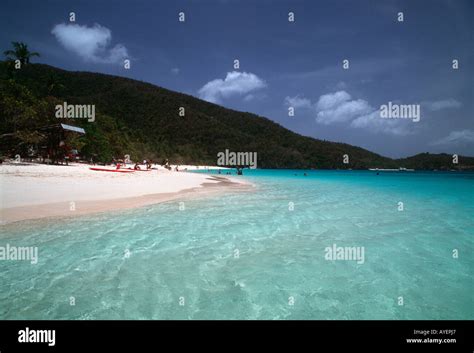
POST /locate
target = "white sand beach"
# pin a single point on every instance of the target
(32, 191)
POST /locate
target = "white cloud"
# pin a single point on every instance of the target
(374, 123)
(346, 111)
(460, 137)
(339, 107)
(442, 104)
(175, 70)
(298, 102)
(331, 100)
(235, 84)
(90, 43)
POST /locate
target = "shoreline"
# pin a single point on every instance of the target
(25, 191)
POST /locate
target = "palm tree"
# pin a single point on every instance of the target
(53, 84)
(20, 52)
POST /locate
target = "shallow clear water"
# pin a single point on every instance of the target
(246, 255)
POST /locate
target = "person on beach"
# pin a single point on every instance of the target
(137, 167)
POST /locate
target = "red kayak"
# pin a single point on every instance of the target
(112, 170)
(140, 170)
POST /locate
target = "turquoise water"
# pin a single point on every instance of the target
(246, 255)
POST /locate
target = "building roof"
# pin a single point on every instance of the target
(73, 128)
(61, 126)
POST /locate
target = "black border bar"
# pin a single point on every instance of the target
(320, 336)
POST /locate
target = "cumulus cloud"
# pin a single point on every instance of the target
(90, 43)
(298, 102)
(340, 107)
(460, 137)
(374, 123)
(442, 104)
(235, 84)
(331, 100)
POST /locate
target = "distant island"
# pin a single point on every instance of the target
(144, 121)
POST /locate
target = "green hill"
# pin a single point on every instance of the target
(442, 161)
(142, 120)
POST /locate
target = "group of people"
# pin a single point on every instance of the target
(147, 163)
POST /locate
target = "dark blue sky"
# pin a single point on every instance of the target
(282, 64)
